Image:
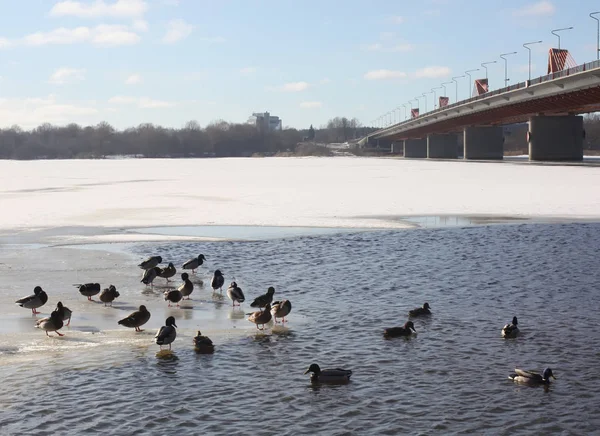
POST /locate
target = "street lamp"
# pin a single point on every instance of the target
(425, 95)
(444, 86)
(525, 45)
(506, 79)
(559, 30)
(597, 34)
(456, 82)
(418, 104)
(486, 63)
(435, 95)
(406, 110)
(470, 80)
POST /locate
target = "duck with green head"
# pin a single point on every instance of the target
(532, 377)
(332, 375)
(511, 330)
(395, 332)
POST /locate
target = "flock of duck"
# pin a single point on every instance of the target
(268, 310)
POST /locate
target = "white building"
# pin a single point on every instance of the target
(265, 121)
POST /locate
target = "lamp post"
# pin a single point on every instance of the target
(406, 110)
(444, 86)
(597, 34)
(418, 104)
(435, 95)
(487, 63)
(525, 45)
(559, 30)
(506, 79)
(456, 82)
(470, 80)
(425, 95)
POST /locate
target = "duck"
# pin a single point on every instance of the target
(394, 332)
(53, 323)
(149, 276)
(281, 309)
(151, 262)
(167, 333)
(64, 312)
(420, 310)
(202, 344)
(136, 319)
(532, 377)
(217, 281)
(109, 294)
(89, 289)
(194, 263)
(336, 375)
(37, 299)
(174, 296)
(186, 288)
(235, 293)
(261, 317)
(511, 330)
(264, 299)
(168, 272)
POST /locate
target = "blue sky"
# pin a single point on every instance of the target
(169, 61)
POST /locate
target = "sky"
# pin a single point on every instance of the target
(167, 62)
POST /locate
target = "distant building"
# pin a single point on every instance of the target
(265, 121)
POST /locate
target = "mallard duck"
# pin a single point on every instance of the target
(336, 375)
(511, 330)
(420, 310)
(235, 293)
(151, 262)
(217, 281)
(149, 276)
(136, 319)
(186, 288)
(264, 299)
(394, 332)
(167, 333)
(64, 312)
(109, 294)
(168, 272)
(203, 344)
(37, 299)
(89, 289)
(173, 296)
(194, 263)
(281, 309)
(51, 324)
(261, 317)
(532, 377)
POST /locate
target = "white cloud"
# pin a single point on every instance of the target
(67, 75)
(177, 30)
(400, 47)
(102, 35)
(99, 8)
(111, 35)
(4, 43)
(141, 102)
(294, 87)
(541, 8)
(434, 72)
(133, 79)
(140, 25)
(385, 74)
(31, 112)
(311, 104)
(248, 70)
(396, 19)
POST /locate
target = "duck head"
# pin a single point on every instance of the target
(59, 305)
(143, 308)
(38, 290)
(170, 321)
(201, 257)
(198, 333)
(159, 258)
(171, 265)
(314, 368)
(233, 285)
(547, 374)
(271, 290)
(426, 306)
(218, 273)
(185, 276)
(515, 322)
(410, 325)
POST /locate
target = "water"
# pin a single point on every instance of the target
(451, 378)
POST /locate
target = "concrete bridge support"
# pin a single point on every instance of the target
(442, 146)
(556, 138)
(397, 147)
(483, 142)
(415, 148)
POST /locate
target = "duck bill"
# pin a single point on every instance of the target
(175, 325)
(553, 377)
(413, 330)
(307, 371)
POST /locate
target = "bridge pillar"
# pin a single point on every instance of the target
(483, 142)
(415, 148)
(442, 146)
(555, 138)
(397, 147)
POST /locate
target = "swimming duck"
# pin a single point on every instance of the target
(149, 276)
(89, 289)
(235, 293)
(336, 375)
(194, 263)
(511, 330)
(203, 344)
(136, 319)
(261, 317)
(281, 309)
(151, 262)
(532, 377)
(64, 312)
(51, 324)
(186, 288)
(174, 296)
(264, 299)
(217, 281)
(394, 332)
(37, 299)
(167, 333)
(109, 294)
(168, 272)
(420, 310)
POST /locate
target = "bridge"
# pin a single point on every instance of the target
(551, 104)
